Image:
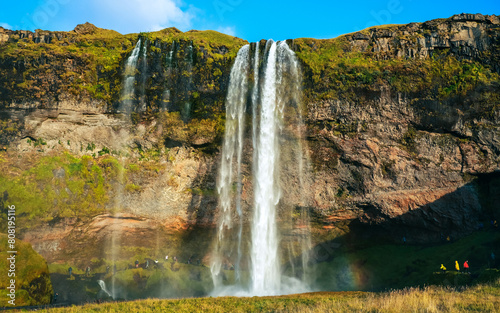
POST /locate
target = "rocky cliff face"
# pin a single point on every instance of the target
(402, 127)
(406, 155)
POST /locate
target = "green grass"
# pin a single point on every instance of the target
(208, 39)
(483, 298)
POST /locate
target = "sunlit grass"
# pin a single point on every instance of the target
(482, 298)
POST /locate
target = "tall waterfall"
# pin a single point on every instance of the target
(127, 101)
(255, 250)
(233, 144)
(265, 270)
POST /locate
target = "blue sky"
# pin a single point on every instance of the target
(249, 19)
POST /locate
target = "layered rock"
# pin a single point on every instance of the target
(466, 35)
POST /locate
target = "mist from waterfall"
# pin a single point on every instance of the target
(253, 246)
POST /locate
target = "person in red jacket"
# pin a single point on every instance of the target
(466, 266)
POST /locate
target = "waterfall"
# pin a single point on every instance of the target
(188, 84)
(102, 284)
(277, 158)
(233, 144)
(291, 93)
(128, 91)
(144, 72)
(127, 100)
(170, 55)
(265, 270)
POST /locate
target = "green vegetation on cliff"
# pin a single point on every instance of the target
(57, 187)
(337, 71)
(47, 189)
(87, 63)
(33, 285)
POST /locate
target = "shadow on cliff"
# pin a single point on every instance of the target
(197, 238)
(380, 252)
(457, 214)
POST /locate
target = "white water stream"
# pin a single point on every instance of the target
(276, 85)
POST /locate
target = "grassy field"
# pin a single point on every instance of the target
(480, 298)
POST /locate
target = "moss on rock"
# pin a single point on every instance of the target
(32, 279)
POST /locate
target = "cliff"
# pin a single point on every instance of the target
(402, 125)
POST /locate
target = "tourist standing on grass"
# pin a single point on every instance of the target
(457, 267)
(466, 266)
(443, 268)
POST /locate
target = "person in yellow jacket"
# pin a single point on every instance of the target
(443, 268)
(457, 266)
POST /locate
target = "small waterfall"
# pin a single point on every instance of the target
(188, 84)
(102, 284)
(128, 92)
(144, 73)
(170, 55)
(277, 159)
(169, 70)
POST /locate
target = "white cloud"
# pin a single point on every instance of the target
(228, 30)
(5, 25)
(128, 16)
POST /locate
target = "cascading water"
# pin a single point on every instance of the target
(265, 264)
(169, 67)
(170, 54)
(233, 144)
(188, 84)
(128, 91)
(275, 97)
(144, 71)
(128, 98)
(102, 284)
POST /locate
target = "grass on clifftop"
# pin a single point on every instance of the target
(210, 40)
(483, 298)
(91, 64)
(337, 70)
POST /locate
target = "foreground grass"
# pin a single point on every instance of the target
(483, 298)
